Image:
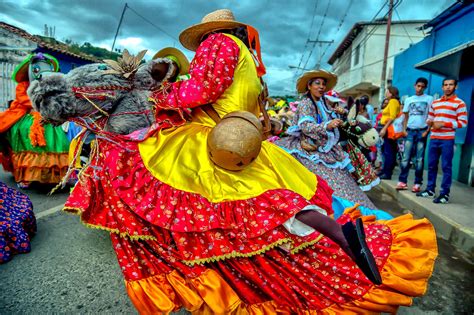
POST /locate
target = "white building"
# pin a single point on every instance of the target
(359, 57)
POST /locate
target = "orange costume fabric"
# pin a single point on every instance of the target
(18, 108)
(32, 152)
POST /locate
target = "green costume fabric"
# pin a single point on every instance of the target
(18, 137)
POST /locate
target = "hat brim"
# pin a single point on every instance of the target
(301, 84)
(20, 74)
(183, 61)
(191, 37)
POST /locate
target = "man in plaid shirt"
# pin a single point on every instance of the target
(445, 116)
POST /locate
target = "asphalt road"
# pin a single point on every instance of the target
(73, 270)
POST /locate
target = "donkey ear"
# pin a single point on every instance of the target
(352, 113)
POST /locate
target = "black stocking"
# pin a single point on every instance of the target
(327, 226)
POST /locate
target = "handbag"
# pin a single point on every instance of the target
(395, 130)
(306, 144)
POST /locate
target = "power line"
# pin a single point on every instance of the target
(403, 25)
(309, 35)
(368, 35)
(319, 33)
(118, 27)
(150, 22)
(338, 28)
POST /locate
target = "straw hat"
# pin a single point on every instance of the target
(216, 20)
(179, 58)
(302, 83)
(20, 73)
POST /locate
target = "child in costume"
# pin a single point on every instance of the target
(190, 234)
(33, 151)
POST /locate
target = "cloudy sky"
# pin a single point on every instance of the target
(284, 25)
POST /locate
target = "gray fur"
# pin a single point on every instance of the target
(54, 98)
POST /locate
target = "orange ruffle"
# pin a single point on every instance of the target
(40, 167)
(18, 108)
(414, 247)
(405, 275)
(37, 131)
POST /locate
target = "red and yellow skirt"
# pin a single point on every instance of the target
(181, 248)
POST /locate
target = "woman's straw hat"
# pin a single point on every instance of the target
(302, 83)
(217, 20)
(182, 61)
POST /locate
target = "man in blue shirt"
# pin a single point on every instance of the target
(416, 110)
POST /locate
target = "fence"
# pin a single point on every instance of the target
(7, 86)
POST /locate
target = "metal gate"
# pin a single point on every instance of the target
(7, 86)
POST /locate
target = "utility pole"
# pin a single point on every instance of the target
(118, 27)
(385, 53)
(320, 42)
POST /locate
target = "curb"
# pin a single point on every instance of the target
(459, 236)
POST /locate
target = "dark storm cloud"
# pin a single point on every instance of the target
(284, 25)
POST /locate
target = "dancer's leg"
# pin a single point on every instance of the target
(327, 226)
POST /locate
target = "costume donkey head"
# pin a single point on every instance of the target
(116, 92)
(359, 129)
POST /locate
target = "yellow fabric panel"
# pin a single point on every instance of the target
(390, 111)
(178, 156)
(243, 92)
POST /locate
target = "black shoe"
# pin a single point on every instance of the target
(441, 199)
(426, 193)
(355, 236)
(383, 176)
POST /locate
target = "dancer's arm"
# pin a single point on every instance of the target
(211, 73)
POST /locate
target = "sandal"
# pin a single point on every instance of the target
(355, 236)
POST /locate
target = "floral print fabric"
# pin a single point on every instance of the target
(115, 199)
(308, 123)
(313, 278)
(364, 173)
(331, 162)
(17, 223)
(211, 73)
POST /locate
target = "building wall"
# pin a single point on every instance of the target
(66, 63)
(13, 49)
(405, 74)
(454, 31)
(371, 50)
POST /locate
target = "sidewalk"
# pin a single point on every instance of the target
(453, 222)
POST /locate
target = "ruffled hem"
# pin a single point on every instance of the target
(346, 164)
(163, 206)
(370, 185)
(405, 274)
(216, 245)
(6, 161)
(48, 168)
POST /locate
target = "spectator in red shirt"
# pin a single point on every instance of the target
(445, 116)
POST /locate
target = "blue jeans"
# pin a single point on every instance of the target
(389, 149)
(414, 146)
(444, 149)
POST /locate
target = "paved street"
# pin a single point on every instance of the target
(72, 269)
